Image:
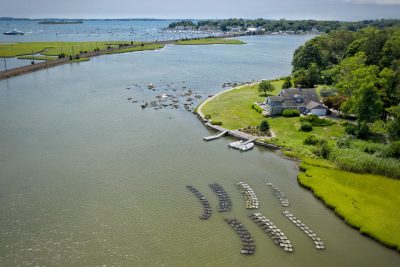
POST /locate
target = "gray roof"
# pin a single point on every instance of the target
(312, 105)
(299, 97)
(275, 98)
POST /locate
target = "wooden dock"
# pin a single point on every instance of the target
(213, 137)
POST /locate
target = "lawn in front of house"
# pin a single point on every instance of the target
(233, 108)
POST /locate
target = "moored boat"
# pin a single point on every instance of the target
(247, 146)
(14, 32)
(236, 144)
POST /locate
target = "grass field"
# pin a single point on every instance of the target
(54, 48)
(233, 108)
(146, 46)
(367, 202)
(209, 41)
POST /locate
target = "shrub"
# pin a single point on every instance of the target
(363, 131)
(316, 121)
(77, 57)
(351, 129)
(264, 126)
(207, 116)
(360, 131)
(313, 140)
(328, 91)
(216, 123)
(257, 108)
(290, 113)
(306, 127)
(343, 142)
(392, 150)
(70, 57)
(61, 55)
(355, 161)
(322, 150)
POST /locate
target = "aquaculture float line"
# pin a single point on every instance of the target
(206, 205)
(310, 233)
(274, 232)
(279, 195)
(224, 202)
(250, 198)
(249, 246)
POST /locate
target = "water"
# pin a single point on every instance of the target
(91, 30)
(88, 178)
(95, 30)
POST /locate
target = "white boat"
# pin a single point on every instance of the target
(247, 146)
(236, 144)
(14, 32)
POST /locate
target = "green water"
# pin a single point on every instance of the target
(87, 178)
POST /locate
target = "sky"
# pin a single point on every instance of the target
(348, 10)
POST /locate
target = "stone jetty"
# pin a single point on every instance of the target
(274, 232)
(310, 233)
(206, 205)
(224, 202)
(250, 198)
(248, 247)
(279, 195)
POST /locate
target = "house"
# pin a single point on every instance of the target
(304, 99)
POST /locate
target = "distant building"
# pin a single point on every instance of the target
(303, 99)
(251, 30)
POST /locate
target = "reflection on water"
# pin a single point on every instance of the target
(88, 178)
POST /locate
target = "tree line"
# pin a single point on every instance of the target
(362, 69)
(286, 25)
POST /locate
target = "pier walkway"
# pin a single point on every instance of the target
(213, 137)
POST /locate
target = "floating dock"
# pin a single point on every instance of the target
(317, 241)
(206, 205)
(248, 247)
(225, 203)
(213, 137)
(279, 195)
(250, 198)
(275, 233)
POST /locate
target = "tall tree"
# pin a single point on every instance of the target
(287, 83)
(265, 86)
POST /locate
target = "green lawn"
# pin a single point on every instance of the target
(209, 41)
(233, 108)
(53, 48)
(368, 202)
(146, 46)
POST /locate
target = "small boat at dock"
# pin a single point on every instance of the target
(247, 146)
(236, 144)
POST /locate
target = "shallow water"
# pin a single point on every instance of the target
(88, 178)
